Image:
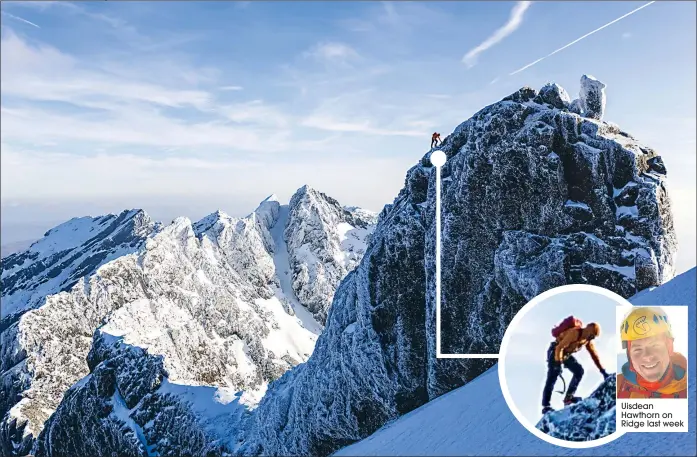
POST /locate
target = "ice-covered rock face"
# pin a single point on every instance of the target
(588, 420)
(206, 299)
(533, 197)
(592, 97)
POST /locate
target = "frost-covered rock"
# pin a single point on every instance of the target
(208, 299)
(325, 241)
(553, 95)
(128, 405)
(533, 197)
(588, 420)
(592, 97)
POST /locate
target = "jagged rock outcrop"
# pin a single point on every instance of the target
(534, 196)
(127, 405)
(325, 241)
(590, 419)
(207, 300)
(592, 97)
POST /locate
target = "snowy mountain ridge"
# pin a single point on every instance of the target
(205, 298)
(66, 253)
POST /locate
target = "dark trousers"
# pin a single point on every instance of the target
(554, 369)
(434, 143)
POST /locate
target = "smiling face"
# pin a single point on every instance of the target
(650, 357)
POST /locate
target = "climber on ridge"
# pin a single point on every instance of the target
(570, 337)
(435, 139)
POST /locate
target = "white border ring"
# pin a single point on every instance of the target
(502, 365)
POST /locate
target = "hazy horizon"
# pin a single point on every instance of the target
(184, 108)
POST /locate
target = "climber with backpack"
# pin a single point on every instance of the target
(435, 139)
(570, 337)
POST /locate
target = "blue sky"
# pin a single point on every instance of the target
(186, 107)
(525, 359)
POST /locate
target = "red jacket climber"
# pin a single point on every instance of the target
(570, 337)
(435, 139)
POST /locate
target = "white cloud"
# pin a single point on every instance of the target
(440, 96)
(255, 112)
(71, 176)
(129, 108)
(365, 127)
(332, 51)
(514, 21)
(230, 88)
(45, 73)
(346, 113)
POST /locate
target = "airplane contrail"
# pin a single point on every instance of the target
(579, 39)
(20, 19)
(514, 21)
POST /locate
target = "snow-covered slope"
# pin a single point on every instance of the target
(203, 302)
(534, 196)
(475, 420)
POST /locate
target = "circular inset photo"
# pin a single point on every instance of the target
(558, 364)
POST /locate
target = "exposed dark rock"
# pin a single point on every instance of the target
(589, 420)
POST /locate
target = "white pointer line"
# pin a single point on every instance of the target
(581, 38)
(439, 355)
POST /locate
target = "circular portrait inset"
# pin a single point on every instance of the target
(558, 364)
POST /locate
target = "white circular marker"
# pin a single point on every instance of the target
(438, 158)
(507, 344)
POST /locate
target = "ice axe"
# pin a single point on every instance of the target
(564, 381)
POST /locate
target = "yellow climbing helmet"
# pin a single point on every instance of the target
(644, 322)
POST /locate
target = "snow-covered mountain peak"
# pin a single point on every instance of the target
(66, 253)
(202, 303)
(325, 241)
(207, 222)
(271, 198)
